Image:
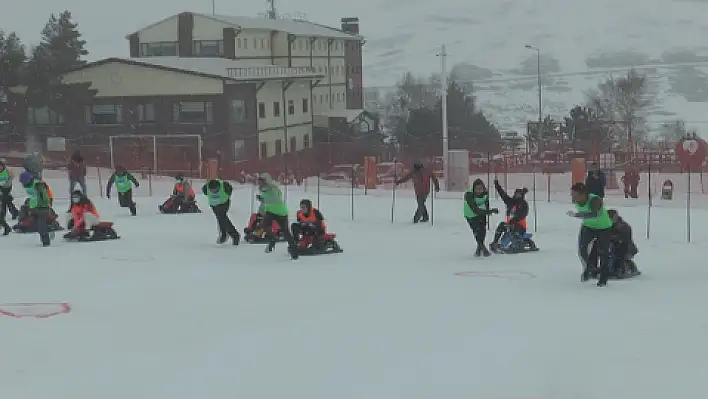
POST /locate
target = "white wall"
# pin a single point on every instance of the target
(297, 132)
(208, 29)
(165, 31)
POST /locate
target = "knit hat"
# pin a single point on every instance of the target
(26, 177)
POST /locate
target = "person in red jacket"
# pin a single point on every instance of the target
(421, 178)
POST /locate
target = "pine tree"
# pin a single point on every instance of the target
(12, 60)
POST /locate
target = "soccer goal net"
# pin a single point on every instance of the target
(158, 154)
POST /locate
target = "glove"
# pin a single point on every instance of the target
(495, 211)
(496, 182)
(137, 184)
(259, 197)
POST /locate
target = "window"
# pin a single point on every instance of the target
(208, 48)
(238, 113)
(146, 112)
(239, 150)
(306, 141)
(261, 110)
(305, 106)
(104, 114)
(291, 107)
(245, 43)
(278, 147)
(192, 112)
(43, 116)
(268, 43)
(238, 42)
(321, 98)
(263, 46)
(264, 150)
(293, 144)
(255, 43)
(158, 49)
(276, 109)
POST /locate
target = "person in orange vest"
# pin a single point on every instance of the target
(82, 214)
(183, 198)
(516, 211)
(309, 221)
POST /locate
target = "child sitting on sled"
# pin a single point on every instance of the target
(255, 232)
(183, 198)
(623, 247)
(84, 219)
(310, 222)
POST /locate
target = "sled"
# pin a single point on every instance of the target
(187, 208)
(258, 234)
(101, 232)
(323, 245)
(512, 243)
(628, 270)
(51, 227)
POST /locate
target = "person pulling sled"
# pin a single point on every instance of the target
(511, 235)
(219, 193)
(596, 229)
(124, 182)
(84, 223)
(183, 198)
(39, 204)
(475, 210)
(310, 232)
(275, 210)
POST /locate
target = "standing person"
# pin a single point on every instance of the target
(6, 204)
(516, 211)
(271, 197)
(421, 185)
(219, 193)
(39, 204)
(596, 227)
(475, 209)
(596, 180)
(77, 172)
(124, 184)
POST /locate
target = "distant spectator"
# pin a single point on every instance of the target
(34, 164)
(77, 172)
(631, 183)
(596, 180)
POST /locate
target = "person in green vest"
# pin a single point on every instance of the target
(271, 198)
(6, 204)
(218, 194)
(124, 182)
(476, 209)
(596, 227)
(39, 204)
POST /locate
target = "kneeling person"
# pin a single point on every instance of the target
(623, 247)
(310, 221)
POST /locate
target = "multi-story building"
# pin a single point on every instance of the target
(334, 53)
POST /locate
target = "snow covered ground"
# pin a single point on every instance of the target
(165, 312)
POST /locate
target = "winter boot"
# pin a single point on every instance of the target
(6, 229)
(222, 238)
(235, 238)
(270, 247)
(478, 252)
(133, 210)
(485, 251)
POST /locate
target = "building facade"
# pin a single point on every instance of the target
(334, 53)
(241, 112)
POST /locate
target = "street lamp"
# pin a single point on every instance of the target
(538, 72)
(443, 83)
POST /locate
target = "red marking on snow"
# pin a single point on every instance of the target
(37, 310)
(505, 274)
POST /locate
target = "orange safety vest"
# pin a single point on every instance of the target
(79, 210)
(180, 189)
(312, 218)
(522, 222)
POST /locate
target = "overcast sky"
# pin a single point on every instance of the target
(105, 24)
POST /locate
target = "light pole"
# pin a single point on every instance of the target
(443, 92)
(540, 88)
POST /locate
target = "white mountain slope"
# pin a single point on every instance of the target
(581, 44)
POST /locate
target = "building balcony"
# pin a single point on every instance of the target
(271, 72)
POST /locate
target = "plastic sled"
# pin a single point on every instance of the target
(627, 269)
(514, 243)
(325, 244)
(27, 225)
(101, 232)
(169, 208)
(257, 235)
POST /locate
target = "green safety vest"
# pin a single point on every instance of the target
(481, 203)
(4, 177)
(37, 198)
(219, 197)
(123, 183)
(601, 222)
(278, 208)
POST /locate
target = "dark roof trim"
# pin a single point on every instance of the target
(148, 65)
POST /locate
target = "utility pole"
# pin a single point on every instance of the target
(271, 13)
(445, 144)
(540, 87)
(213, 7)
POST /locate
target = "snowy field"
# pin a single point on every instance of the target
(166, 313)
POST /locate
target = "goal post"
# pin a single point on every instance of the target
(159, 153)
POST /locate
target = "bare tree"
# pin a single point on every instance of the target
(626, 99)
(415, 92)
(672, 132)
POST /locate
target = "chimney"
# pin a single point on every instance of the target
(350, 25)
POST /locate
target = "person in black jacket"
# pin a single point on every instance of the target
(516, 211)
(596, 180)
(624, 247)
(219, 193)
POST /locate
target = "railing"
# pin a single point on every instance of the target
(270, 71)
